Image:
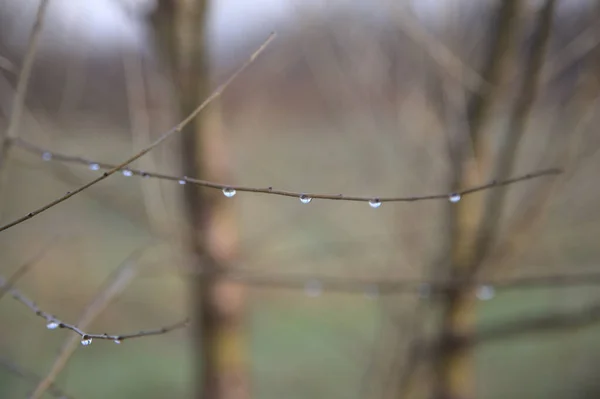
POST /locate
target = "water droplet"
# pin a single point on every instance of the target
(127, 172)
(94, 166)
(313, 288)
(182, 182)
(485, 292)
(85, 341)
(375, 203)
(305, 199)
(116, 341)
(52, 325)
(424, 291)
(372, 291)
(145, 175)
(454, 197)
(229, 192)
(46, 156)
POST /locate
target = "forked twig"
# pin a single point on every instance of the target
(177, 129)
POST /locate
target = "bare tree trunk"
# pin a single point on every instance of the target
(218, 304)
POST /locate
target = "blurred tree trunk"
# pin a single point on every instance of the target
(475, 220)
(218, 304)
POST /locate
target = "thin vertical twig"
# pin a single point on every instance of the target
(14, 121)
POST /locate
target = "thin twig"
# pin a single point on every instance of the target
(18, 106)
(33, 378)
(54, 322)
(270, 190)
(114, 285)
(177, 129)
(26, 267)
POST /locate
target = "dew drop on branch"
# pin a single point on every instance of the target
(182, 182)
(485, 292)
(305, 199)
(375, 203)
(52, 325)
(127, 172)
(229, 192)
(86, 341)
(313, 288)
(454, 197)
(424, 291)
(94, 166)
(372, 291)
(46, 156)
(116, 341)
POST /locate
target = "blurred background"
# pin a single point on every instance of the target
(331, 299)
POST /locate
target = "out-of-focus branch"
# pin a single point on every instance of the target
(516, 127)
(533, 324)
(14, 121)
(26, 267)
(306, 196)
(176, 129)
(32, 378)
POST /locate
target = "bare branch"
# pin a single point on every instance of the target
(23, 82)
(455, 196)
(177, 129)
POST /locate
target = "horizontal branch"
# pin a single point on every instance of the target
(231, 190)
(176, 129)
(388, 286)
(586, 316)
(325, 283)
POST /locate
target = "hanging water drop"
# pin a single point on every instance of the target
(52, 325)
(145, 175)
(485, 292)
(454, 197)
(229, 192)
(116, 341)
(424, 291)
(94, 166)
(182, 182)
(305, 199)
(313, 288)
(46, 156)
(372, 291)
(127, 172)
(85, 341)
(375, 203)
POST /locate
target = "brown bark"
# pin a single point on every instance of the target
(217, 303)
